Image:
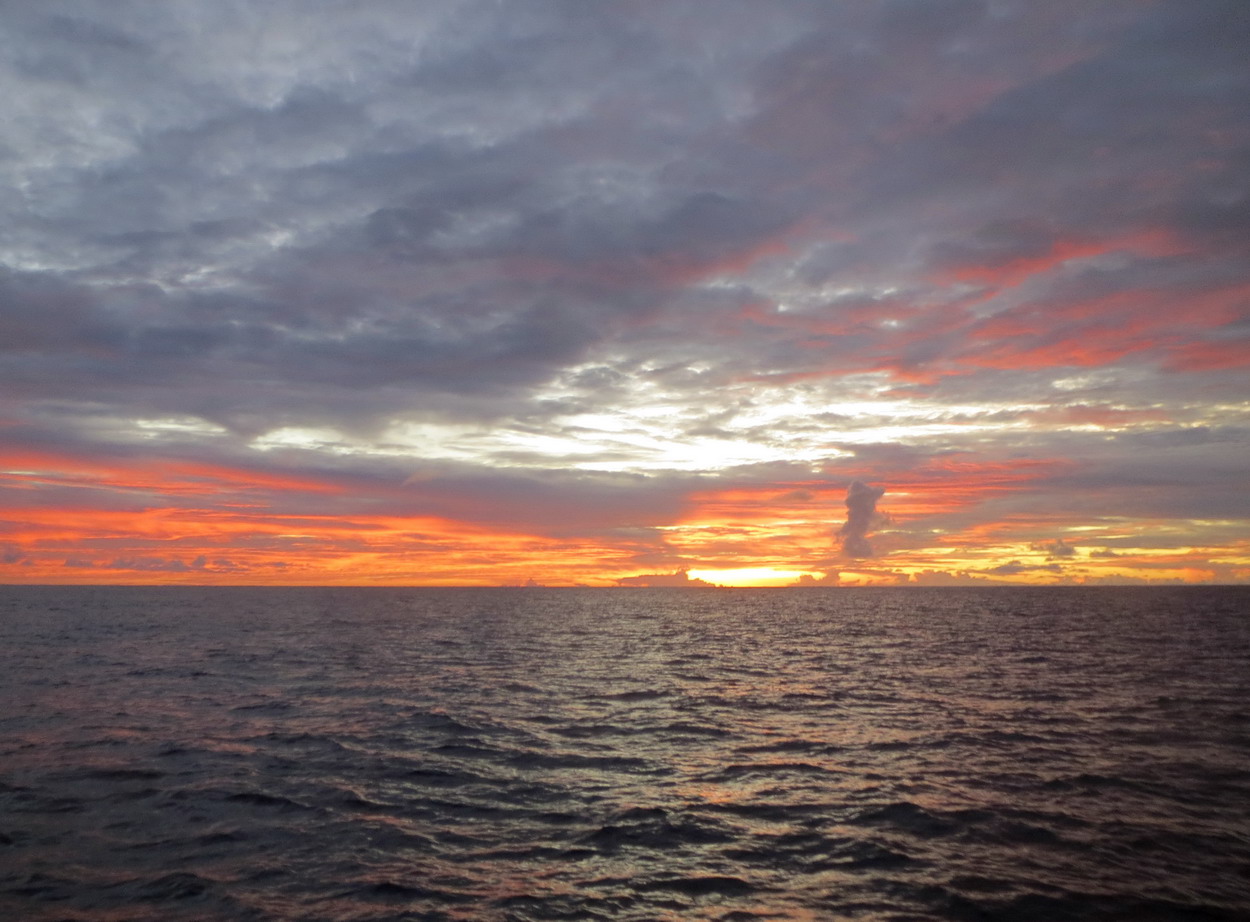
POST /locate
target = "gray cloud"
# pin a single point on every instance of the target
(861, 511)
(1058, 549)
(1015, 567)
(170, 565)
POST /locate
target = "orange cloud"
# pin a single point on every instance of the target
(190, 522)
(1103, 330)
(164, 476)
(1209, 356)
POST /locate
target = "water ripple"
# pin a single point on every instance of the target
(624, 755)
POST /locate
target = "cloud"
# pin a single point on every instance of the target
(170, 565)
(679, 578)
(861, 509)
(1058, 549)
(1015, 567)
(941, 578)
(582, 266)
(829, 578)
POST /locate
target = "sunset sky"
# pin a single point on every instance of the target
(476, 293)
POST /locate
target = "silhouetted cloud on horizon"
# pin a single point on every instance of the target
(861, 507)
(680, 578)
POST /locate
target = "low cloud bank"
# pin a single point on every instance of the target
(680, 578)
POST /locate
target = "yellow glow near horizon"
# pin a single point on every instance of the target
(750, 576)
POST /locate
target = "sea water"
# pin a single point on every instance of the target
(633, 754)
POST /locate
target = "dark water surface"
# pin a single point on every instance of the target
(803, 754)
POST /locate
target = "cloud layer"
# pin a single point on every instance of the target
(458, 292)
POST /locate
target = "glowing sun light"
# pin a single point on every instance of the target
(749, 576)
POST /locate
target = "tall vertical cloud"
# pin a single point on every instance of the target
(861, 507)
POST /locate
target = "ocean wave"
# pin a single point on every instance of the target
(500, 757)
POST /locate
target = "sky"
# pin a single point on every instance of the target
(736, 292)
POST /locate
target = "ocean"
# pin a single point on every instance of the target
(634, 754)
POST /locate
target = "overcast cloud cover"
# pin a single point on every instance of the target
(478, 292)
